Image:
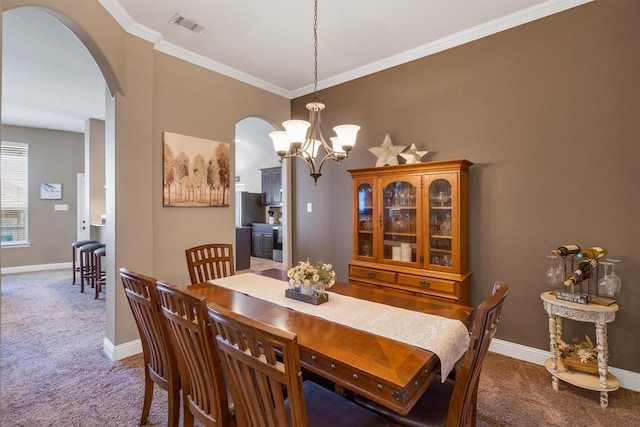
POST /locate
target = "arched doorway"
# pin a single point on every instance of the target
(254, 151)
(77, 49)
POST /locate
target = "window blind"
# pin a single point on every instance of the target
(14, 186)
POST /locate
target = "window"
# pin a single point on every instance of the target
(14, 184)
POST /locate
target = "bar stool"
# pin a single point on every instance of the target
(101, 276)
(87, 264)
(75, 246)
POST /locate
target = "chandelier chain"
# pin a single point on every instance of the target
(315, 49)
(302, 139)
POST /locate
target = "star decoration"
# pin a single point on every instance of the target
(387, 153)
(412, 155)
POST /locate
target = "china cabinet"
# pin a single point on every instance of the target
(410, 228)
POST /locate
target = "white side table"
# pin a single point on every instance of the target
(600, 315)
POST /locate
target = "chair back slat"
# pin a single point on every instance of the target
(159, 357)
(462, 411)
(140, 291)
(188, 325)
(210, 261)
(262, 364)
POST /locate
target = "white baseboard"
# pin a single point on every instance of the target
(121, 351)
(41, 267)
(628, 379)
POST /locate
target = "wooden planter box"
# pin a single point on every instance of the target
(571, 363)
(315, 299)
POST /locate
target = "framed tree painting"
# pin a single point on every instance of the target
(195, 171)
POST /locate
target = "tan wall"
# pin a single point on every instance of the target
(154, 93)
(54, 156)
(183, 107)
(548, 112)
(95, 161)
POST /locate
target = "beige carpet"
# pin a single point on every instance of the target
(53, 371)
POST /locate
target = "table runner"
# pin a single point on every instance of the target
(447, 338)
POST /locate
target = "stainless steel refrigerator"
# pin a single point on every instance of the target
(249, 208)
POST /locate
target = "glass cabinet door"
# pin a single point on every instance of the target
(441, 225)
(399, 221)
(365, 220)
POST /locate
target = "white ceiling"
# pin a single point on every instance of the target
(50, 81)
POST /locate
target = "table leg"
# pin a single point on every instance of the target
(553, 345)
(603, 361)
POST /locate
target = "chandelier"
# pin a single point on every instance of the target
(303, 139)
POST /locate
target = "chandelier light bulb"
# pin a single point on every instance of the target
(297, 131)
(311, 147)
(347, 136)
(281, 142)
(337, 148)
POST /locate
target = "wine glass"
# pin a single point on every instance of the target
(554, 275)
(614, 276)
(607, 285)
(442, 197)
(388, 196)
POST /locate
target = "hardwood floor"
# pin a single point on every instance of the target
(259, 264)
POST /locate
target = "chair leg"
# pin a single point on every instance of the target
(188, 416)
(148, 396)
(174, 407)
(73, 264)
(98, 274)
(82, 272)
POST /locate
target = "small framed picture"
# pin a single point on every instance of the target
(50, 191)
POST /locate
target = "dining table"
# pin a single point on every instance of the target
(364, 339)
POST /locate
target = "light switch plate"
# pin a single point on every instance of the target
(61, 207)
(309, 207)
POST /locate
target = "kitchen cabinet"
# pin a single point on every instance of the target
(272, 186)
(243, 248)
(262, 241)
(410, 229)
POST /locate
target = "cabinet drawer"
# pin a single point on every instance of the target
(427, 283)
(372, 274)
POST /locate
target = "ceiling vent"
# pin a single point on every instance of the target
(186, 23)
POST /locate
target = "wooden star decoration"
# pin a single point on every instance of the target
(387, 153)
(412, 155)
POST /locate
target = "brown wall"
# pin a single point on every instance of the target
(549, 114)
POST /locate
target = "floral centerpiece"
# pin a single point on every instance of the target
(307, 276)
(581, 356)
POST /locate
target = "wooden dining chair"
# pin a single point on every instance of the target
(262, 365)
(453, 403)
(203, 386)
(210, 261)
(160, 362)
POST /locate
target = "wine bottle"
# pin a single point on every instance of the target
(593, 253)
(577, 278)
(565, 250)
(584, 268)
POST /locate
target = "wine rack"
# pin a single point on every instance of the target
(584, 291)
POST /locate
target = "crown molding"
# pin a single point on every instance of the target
(209, 64)
(525, 16)
(128, 24)
(522, 17)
